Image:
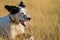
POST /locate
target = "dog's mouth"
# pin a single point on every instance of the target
(24, 23)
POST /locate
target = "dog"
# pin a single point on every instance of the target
(15, 22)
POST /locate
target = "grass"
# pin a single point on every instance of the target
(45, 14)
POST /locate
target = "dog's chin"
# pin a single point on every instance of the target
(24, 23)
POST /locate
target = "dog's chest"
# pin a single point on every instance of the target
(17, 29)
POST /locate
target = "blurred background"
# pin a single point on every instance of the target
(45, 14)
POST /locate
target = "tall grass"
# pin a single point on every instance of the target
(45, 14)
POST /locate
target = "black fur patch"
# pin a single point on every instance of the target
(12, 9)
(21, 4)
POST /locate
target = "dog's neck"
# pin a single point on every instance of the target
(13, 19)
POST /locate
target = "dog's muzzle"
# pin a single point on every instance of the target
(25, 22)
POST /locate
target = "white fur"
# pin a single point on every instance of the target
(16, 29)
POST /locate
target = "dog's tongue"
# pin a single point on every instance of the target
(25, 23)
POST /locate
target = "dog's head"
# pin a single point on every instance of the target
(18, 14)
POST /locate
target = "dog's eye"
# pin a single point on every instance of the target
(22, 13)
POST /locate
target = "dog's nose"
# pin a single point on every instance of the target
(29, 18)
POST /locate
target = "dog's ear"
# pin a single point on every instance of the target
(12, 9)
(21, 4)
(8, 7)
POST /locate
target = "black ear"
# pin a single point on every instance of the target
(8, 7)
(21, 4)
(12, 9)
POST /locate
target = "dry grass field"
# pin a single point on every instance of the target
(45, 14)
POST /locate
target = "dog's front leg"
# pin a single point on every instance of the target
(28, 36)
